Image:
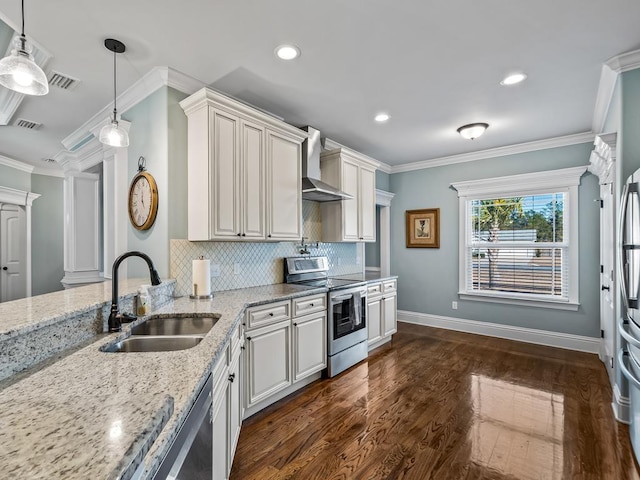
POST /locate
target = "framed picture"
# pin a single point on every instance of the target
(423, 228)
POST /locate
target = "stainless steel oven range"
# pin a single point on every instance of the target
(346, 315)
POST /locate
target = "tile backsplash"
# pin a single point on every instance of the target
(260, 263)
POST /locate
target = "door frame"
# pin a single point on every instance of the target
(24, 199)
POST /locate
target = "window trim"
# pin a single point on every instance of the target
(562, 180)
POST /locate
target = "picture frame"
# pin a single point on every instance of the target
(423, 228)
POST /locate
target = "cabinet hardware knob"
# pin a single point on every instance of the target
(271, 314)
(232, 377)
(604, 287)
(239, 234)
(244, 234)
(5, 268)
(295, 324)
(244, 324)
(269, 235)
(248, 338)
(242, 347)
(311, 304)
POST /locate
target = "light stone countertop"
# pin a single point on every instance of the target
(95, 415)
(28, 314)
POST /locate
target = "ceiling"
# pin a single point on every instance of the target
(433, 66)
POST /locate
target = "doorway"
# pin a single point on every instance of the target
(13, 239)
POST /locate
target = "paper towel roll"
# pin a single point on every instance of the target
(201, 277)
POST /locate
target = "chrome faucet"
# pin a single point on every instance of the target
(115, 317)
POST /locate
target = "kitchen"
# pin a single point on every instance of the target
(427, 299)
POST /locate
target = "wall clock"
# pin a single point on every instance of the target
(143, 198)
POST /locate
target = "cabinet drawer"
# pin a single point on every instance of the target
(374, 290)
(305, 305)
(390, 286)
(267, 314)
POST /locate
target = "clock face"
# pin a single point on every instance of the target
(143, 201)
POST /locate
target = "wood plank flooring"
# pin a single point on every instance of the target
(437, 404)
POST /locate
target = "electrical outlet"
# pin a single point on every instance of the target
(236, 268)
(215, 270)
(454, 305)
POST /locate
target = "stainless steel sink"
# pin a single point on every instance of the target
(175, 326)
(163, 343)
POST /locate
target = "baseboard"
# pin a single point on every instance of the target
(521, 334)
(620, 406)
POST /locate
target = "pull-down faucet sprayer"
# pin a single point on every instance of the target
(115, 318)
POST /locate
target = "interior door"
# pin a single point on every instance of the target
(13, 279)
(607, 274)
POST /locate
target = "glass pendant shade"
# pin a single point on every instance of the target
(114, 135)
(19, 72)
(473, 130)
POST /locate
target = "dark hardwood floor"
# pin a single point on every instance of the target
(437, 404)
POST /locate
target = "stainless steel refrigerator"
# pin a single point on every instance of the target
(629, 323)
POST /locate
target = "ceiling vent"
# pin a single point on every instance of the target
(60, 80)
(49, 160)
(22, 123)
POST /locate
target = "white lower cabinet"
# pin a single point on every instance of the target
(382, 317)
(309, 344)
(236, 403)
(268, 361)
(219, 417)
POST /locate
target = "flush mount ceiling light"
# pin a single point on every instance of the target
(113, 134)
(19, 72)
(473, 130)
(513, 79)
(382, 117)
(287, 52)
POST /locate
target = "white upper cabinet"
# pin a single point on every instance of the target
(244, 172)
(352, 220)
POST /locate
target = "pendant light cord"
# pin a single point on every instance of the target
(23, 18)
(114, 86)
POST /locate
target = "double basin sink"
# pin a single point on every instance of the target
(164, 334)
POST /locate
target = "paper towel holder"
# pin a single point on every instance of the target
(199, 297)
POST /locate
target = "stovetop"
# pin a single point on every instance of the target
(313, 271)
(330, 283)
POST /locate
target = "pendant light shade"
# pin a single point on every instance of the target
(19, 72)
(113, 134)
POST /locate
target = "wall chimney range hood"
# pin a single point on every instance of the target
(312, 187)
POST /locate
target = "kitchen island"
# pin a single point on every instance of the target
(94, 414)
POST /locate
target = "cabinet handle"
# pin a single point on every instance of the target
(248, 338)
(271, 314)
(295, 324)
(244, 234)
(269, 235)
(239, 234)
(311, 304)
(232, 377)
(242, 347)
(605, 287)
(5, 268)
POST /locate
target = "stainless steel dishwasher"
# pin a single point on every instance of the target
(191, 454)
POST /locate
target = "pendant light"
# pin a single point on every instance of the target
(19, 72)
(113, 134)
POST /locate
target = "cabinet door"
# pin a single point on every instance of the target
(284, 188)
(367, 205)
(253, 181)
(268, 361)
(224, 191)
(389, 305)
(309, 344)
(235, 404)
(219, 418)
(374, 320)
(350, 216)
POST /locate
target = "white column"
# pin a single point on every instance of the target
(81, 229)
(114, 207)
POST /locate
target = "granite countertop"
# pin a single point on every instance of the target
(369, 277)
(99, 415)
(28, 314)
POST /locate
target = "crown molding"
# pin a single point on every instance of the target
(624, 62)
(91, 154)
(48, 172)
(155, 79)
(10, 162)
(384, 198)
(576, 139)
(17, 197)
(332, 147)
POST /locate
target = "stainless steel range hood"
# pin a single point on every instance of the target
(312, 187)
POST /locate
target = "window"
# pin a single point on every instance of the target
(519, 239)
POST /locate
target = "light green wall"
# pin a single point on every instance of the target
(159, 133)
(612, 122)
(382, 181)
(13, 178)
(428, 278)
(47, 221)
(629, 131)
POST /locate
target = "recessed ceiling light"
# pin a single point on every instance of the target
(382, 117)
(473, 130)
(287, 52)
(513, 79)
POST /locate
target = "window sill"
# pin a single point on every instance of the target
(524, 302)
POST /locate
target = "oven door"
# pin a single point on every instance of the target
(347, 319)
